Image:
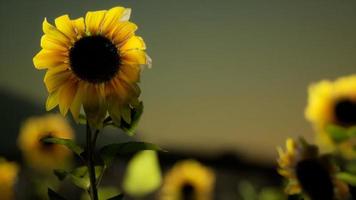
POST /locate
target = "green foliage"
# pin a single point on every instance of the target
(54, 195)
(70, 144)
(347, 177)
(105, 193)
(337, 133)
(78, 176)
(143, 174)
(130, 121)
(109, 152)
(248, 192)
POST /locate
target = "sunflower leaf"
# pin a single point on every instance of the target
(54, 195)
(70, 144)
(118, 197)
(60, 174)
(109, 152)
(78, 176)
(136, 113)
(337, 133)
(347, 177)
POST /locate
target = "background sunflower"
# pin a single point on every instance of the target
(41, 156)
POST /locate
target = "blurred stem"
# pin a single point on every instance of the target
(90, 163)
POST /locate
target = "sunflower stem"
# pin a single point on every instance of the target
(91, 165)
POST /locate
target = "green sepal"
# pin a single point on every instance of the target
(79, 176)
(54, 195)
(70, 144)
(128, 125)
(118, 197)
(347, 177)
(109, 152)
(337, 133)
(82, 119)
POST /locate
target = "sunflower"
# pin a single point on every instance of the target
(188, 180)
(93, 63)
(333, 103)
(8, 178)
(309, 172)
(43, 156)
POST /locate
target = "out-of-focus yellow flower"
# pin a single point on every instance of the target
(8, 177)
(188, 180)
(332, 102)
(306, 170)
(43, 156)
(94, 62)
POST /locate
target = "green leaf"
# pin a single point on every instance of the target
(136, 114)
(118, 197)
(104, 193)
(352, 131)
(129, 121)
(54, 195)
(337, 133)
(70, 144)
(79, 176)
(143, 174)
(109, 152)
(60, 174)
(348, 178)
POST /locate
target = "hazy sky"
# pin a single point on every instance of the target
(226, 74)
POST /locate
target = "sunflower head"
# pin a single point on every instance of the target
(8, 176)
(309, 172)
(93, 63)
(40, 155)
(332, 103)
(188, 180)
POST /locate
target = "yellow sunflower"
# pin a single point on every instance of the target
(309, 172)
(8, 177)
(93, 63)
(188, 180)
(333, 102)
(39, 155)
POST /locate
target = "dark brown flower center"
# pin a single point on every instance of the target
(345, 112)
(188, 192)
(315, 179)
(94, 59)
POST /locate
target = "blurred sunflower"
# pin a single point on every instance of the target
(39, 155)
(333, 103)
(308, 171)
(93, 62)
(188, 180)
(8, 176)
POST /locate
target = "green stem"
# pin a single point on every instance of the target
(91, 164)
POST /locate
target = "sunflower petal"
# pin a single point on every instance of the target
(130, 73)
(111, 18)
(79, 26)
(50, 43)
(93, 21)
(134, 42)
(94, 104)
(126, 15)
(77, 103)
(54, 33)
(52, 100)
(122, 32)
(54, 79)
(67, 93)
(64, 24)
(48, 59)
(113, 101)
(133, 57)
